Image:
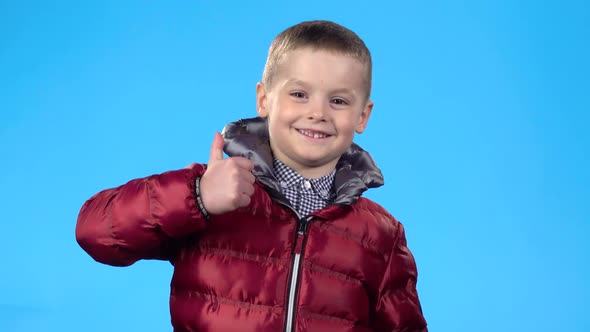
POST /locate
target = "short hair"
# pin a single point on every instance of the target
(317, 35)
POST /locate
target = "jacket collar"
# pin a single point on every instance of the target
(355, 172)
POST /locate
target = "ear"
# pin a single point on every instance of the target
(364, 117)
(261, 98)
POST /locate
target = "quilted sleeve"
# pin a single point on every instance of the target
(140, 219)
(398, 307)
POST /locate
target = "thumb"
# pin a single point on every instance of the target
(216, 149)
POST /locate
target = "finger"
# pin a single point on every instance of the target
(248, 177)
(246, 189)
(244, 201)
(243, 163)
(216, 149)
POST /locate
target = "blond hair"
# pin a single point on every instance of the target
(317, 35)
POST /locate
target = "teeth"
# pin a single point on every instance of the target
(312, 134)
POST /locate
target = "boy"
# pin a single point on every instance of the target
(276, 237)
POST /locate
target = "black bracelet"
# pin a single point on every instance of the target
(199, 200)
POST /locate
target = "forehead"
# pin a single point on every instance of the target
(312, 66)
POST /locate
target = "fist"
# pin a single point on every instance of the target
(228, 183)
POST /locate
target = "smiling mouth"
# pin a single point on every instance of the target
(312, 133)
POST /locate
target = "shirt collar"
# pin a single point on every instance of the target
(323, 186)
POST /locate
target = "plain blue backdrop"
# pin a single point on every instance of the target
(480, 127)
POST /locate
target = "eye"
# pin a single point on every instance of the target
(339, 101)
(297, 94)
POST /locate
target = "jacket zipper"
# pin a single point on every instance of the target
(300, 240)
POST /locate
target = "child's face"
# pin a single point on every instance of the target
(315, 105)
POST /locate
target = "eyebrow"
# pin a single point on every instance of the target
(297, 81)
(307, 86)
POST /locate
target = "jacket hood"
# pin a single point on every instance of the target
(355, 172)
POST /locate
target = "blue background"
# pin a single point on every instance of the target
(480, 127)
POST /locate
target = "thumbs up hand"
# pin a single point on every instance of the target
(228, 183)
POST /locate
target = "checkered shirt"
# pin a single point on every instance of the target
(305, 195)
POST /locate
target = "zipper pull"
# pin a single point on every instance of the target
(301, 229)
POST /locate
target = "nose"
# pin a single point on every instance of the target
(318, 111)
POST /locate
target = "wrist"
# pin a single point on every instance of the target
(199, 200)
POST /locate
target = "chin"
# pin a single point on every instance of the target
(316, 162)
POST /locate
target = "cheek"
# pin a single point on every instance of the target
(277, 125)
(348, 123)
(285, 112)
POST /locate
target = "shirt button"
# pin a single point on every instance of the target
(306, 184)
(283, 184)
(324, 192)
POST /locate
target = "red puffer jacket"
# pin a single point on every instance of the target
(263, 268)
